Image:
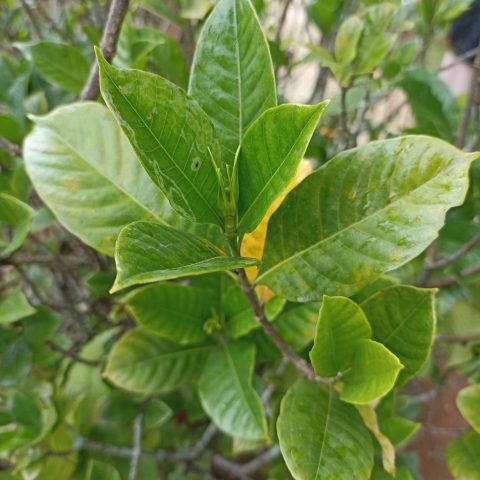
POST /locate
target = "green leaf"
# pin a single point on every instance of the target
(144, 254)
(41, 326)
(172, 136)
(321, 437)
(144, 363)
(431, 101)
(365, 212)
(84, 169)
(373, 373)
(173, 311)
(341, 325)
(468, 402)
(17, 216)
(270, 153)
(226, 391)
(347, 39)
(403, 319)
(156, 414)
(15, 359)
(463, 457)
(14, 306)
(61, 64)
(232, 75)
(101, 471)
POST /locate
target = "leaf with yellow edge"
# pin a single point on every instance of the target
(369, 416)
(253, 243)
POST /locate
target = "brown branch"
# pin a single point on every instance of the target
(72, 355)
(304, 368)
(108, 45)
(11, 148)
(473, 337)
(447, 260)
(449, 281)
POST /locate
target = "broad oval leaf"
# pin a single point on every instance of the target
(172, 136)
(101, 471)
(145, 254)
(84, 169)
(462, 456)
(468, 402)
(403, 319)
(232, 75)
(321, 437)
(173, 311)
(14, 306)
(365, 212)
(17, 216)
(144, 363)
(372, 374)
(346, 42)
(60, 63)
(269, 155)
(226, 391)
(341, 324)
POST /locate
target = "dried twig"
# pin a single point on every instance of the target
(108, 45)
(11, 148)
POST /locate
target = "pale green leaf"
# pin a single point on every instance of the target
(60, 63)
(346, 41)
(173, 311)
(17, 216)
(321, 437)
(14, 306)
(365, 212)
(403, 319)
(97, 470)
(463, 456)
(270, 153)
(172, 136)
(373, 373)
(468, 402)
(341, 324)
(144, 363)
(232, 75)
(84, 169)
(226, 391)
(144, 254)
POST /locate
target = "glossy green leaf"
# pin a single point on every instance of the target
(157, 413)
(144, 363)
(172, 136)
(468, 402)
(341, 324)
(84, 169)
(296, 324)
(463, 457)
(373, 373)
(269, 155)
(17, 216)
(403, 319)
(60, 63)
(431, 101)
(97, 470)
(391, 198)
(347, 39)
(322, 437)
(144, 254)
(232, 75)
(173, 311)
(226, 391)
(14, 306)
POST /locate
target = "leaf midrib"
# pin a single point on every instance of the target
(189, 181)
(352, 225)
(324, 439)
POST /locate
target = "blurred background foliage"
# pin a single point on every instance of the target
(383, 64)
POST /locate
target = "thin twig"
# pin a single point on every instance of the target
(72, 355)
(304, 368)
(460, 59)
(108, 45)
(447, 260)
(11, 148)
(474, 337)
(281, 22)
(137, 445)
(449, 281)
